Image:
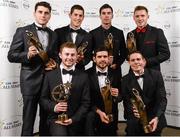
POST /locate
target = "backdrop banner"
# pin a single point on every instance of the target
(164, 14)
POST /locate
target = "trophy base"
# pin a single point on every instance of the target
(43, 55)
(110, 116)
(147, 129)
(62, 117)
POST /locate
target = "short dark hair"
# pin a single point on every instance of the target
(78, 7)
(137, 51)
(102, 48)
(44, 4)
(67, 45)
(139, 7)
(105, 6)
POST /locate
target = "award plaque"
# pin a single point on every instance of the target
(131, 43)
(33, 40)
(61, 93)
(107, 98)
(138, 103)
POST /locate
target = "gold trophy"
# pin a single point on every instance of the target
(107, 98)
(61, 93)
(33, 40)
(138, 103)
(109, 43)
(131, 43)
(81, 50)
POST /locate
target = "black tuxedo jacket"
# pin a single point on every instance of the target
(32, 71)
(96, 97)
(153, 94)
(119, 48)
(79, 100)
(64, 35)
(154, 47)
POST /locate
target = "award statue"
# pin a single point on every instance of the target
(138, 103)
(109, 43)
(33, 40)
(82, 49)
(107, 98)
(131, 43)
(61, 93)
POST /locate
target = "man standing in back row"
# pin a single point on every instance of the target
(74, 33)
(105, 30)
(150, 41)
(33, 68)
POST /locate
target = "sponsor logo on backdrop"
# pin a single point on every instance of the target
(25, 4)
(66, 10)
(9, 3)
(55, 12)
(162, 9)
(123, 13)
(93, 12)
(20, 101)
(172, 76)
(21, 23)
(4, 44)
(9, 83)
(10, 123)
(174, 113)
(174, 43)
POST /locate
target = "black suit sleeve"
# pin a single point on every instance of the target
(162, 49)
(84, 103)
(17, 52)
(45, 100)
(161, 100)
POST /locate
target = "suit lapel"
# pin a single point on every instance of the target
(95, 80)
(79, 38)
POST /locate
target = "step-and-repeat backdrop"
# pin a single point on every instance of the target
(16, 13)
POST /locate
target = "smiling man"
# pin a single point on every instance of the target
(98, 121)
(78, 102)
(150, 85)
(74, 33)
(150, 41)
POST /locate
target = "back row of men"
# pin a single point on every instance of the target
(64, 56)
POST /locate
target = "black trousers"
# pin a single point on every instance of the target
(29, 115)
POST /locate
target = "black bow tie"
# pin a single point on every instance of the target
(41, 28)
(73, 30)
(140, 76)
(101, 73)
(64, 71)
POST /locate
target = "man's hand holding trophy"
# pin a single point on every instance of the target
(36, 48)
(60, 94)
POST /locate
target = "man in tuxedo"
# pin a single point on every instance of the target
(98, 118)
(74, 33)
(100, 35)
(150, 86)
(78, 102)
(150, 41)
(25, 51)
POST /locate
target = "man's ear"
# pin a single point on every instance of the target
(94, 59)
(60, 55)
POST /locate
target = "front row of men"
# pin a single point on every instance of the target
(85, 104)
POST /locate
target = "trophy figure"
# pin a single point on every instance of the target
(33, 40)
(81, 50)
(109, 45)
(107, 98)
(138, 103)
(131, 43)
(61, 93)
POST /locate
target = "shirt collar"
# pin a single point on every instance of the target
(97, 69)
(62, 66)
